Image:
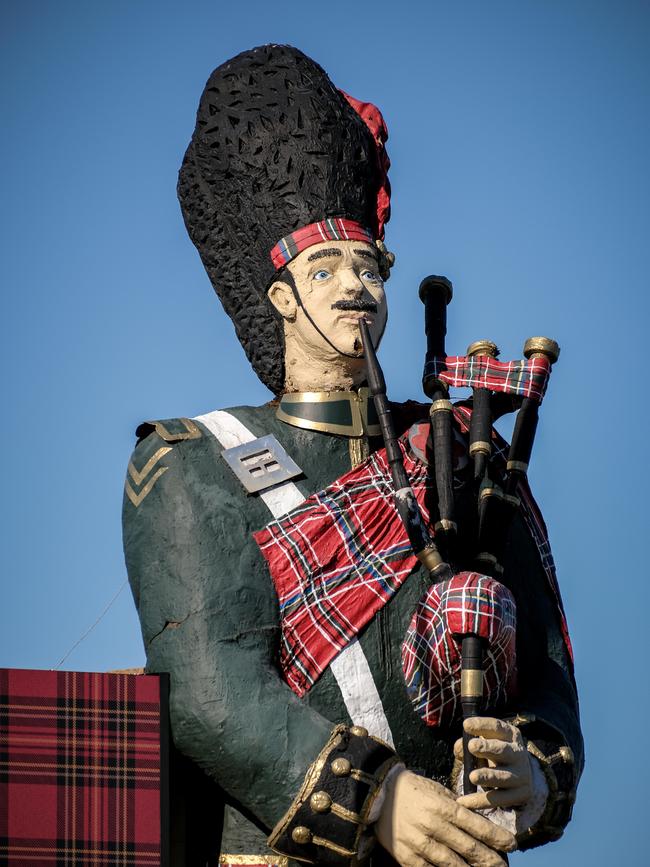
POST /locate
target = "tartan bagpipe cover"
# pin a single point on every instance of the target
(82, 768)
(469, 603)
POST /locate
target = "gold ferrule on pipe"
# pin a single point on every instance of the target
(512, 500)
(535, 347)
(491, 492)
(440, 406)
(430, 558)
(480, 447)
(446, 526)
(483, 347)
(471, 683)
(517, 467)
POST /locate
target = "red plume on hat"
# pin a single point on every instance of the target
(375, 122)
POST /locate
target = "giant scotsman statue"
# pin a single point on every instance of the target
(271, 577)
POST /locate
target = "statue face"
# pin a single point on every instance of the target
(338, 283)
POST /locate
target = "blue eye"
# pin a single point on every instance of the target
(370, 275)
(323, 274)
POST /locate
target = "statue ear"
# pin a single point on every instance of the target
(281, 297)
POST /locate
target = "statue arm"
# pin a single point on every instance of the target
(209, 617)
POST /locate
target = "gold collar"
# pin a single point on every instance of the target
(346, 413)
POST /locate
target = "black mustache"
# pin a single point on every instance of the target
(360, 306)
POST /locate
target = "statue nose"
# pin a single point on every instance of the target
(351, 282)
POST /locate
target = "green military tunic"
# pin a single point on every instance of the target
(209, 617)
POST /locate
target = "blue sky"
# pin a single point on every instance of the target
(519, 136)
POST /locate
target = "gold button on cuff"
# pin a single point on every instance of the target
(359, 731)
(341, 767)
(301, 835)
(320, 802)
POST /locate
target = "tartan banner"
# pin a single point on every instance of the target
(82, 769)
(523, 377)
(431, 652)
(340, 556)
(331, 229)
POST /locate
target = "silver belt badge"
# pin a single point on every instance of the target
(261, 464)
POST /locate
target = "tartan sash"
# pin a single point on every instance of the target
(335, 561)
(340, 556)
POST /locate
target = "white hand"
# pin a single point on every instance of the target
(506, 774)
(421, 823)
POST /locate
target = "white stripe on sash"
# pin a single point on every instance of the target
(355, 680)
(231, 432)
(350, 667)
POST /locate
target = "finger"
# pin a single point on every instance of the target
(458, 749)
(481, 828)
(473, 851)
(488, 748)
(495, 798)
(492, 778)
(436, 853)
(490, 727)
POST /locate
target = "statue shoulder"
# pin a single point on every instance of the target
(154, 461)
(170, 453)
(170, 430)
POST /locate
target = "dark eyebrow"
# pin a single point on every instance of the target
(319, 254)
(366, 254)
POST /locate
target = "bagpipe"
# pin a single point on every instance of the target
(498, 387)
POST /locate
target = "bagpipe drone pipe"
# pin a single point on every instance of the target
(478, 598)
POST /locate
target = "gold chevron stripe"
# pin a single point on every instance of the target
(193, 431)
(136, 499)
(139, 477)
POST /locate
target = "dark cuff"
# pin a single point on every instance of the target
(557, 762)
(328, 820)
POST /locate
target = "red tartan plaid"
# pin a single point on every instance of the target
(81, 760)
(335, 561)
(340, 556)
(431, 657)
(525, 378)
(331, 229)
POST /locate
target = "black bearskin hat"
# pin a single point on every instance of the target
(276, 147)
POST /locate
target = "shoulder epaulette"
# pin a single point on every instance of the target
(140, 480)
(171, 430)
